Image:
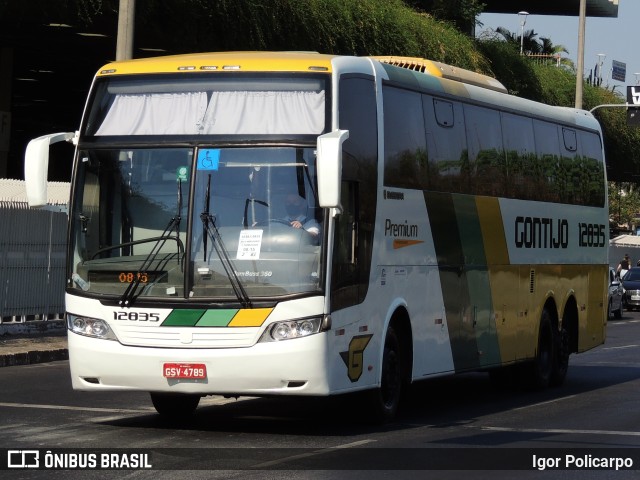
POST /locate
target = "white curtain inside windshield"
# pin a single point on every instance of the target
(225, 112)
(155, 114)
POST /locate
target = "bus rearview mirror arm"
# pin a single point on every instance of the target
(36, 166)
(329, 156)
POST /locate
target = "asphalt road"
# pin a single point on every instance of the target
(461, 426)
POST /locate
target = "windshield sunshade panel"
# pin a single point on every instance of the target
(209, 106)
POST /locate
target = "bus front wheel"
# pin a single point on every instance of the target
(175, 406)
(384, 400)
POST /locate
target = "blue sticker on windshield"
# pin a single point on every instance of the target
(208, 159)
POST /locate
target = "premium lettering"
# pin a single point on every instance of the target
(400, 229)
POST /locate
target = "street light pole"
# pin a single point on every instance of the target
(523, 22)
(126, 22)
(580, 66)
(600, 63)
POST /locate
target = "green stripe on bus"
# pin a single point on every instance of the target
(465, 279)
(216, 318)
(477, 279)
(183, 318)
(445, 228)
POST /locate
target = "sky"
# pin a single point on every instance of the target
(617, 38)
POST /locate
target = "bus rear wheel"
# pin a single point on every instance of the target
(175, 406)
(542, 368)
(561, 358)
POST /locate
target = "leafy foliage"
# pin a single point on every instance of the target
(362, 27)
(624, 202)
(462, 14)
(514, 71)
(354, 27)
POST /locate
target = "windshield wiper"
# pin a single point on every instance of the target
(212, 232)
(129, 295)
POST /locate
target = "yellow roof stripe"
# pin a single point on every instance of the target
(238, 61)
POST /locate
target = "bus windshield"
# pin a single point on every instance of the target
(229, 224)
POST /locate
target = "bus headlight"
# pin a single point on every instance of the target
(295, 329)
(90, 327)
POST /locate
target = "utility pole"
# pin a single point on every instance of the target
(126, 23)
(580, 67)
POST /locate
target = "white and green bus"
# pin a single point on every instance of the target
(252, 224)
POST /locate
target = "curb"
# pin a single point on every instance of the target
(33, 357)
(36, 350)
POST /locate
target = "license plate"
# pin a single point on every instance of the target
(635, 297)
(184, 370)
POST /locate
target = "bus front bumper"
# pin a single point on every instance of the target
(290, 367)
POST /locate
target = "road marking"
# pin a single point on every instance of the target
(219, 400)
(311, 454)
(560, 431)
(620, 348)
(543, 403)
(621, 322)
(12, 426)
(74, 408)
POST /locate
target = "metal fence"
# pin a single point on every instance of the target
(32, 263)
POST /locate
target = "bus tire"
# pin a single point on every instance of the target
(175, 406)
(561, 358)
(384, 401)
(541, 369)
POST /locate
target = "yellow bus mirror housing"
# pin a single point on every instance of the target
(329, 168)
(36, 166)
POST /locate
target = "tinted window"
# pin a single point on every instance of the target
(447, 145)
(520, 150)
(486, 154)
(358, 114)
(405, 148)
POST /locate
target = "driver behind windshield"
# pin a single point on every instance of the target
(296, 208)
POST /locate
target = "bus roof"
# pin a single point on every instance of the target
(442, 70)
(429, 74)
(223, 61)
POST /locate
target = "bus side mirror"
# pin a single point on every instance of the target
(36, 166)
(330, 168)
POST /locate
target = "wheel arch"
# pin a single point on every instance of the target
(570, 322)
(400, 320)
(551, 306)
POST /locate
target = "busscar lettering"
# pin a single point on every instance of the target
(391, 195)
(540, 232)
(405, 229)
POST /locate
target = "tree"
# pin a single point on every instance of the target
(530, 44)
(461, 13)
(624, 203)
(548, 48)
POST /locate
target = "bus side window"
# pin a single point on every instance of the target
(359, 172)
(345, 261)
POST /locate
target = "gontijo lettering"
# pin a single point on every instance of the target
(536, 232)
